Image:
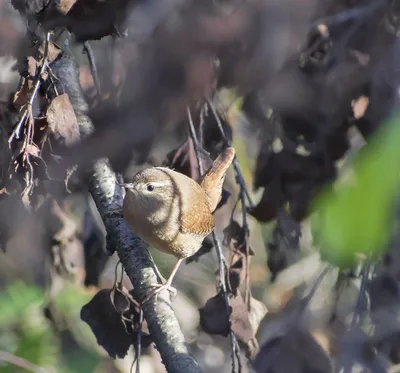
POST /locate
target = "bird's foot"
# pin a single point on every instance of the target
(159, 288)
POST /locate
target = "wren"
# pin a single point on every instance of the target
(172, 212)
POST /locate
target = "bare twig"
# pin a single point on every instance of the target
(93, 67)
(347, 363)
(36, 85)
(195, 142)
(243, 195)
(21, 362)
(359, 309)
(221, 258)
(247, 296)
(238, 171)
(139, 340)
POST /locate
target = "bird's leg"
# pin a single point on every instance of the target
(165, 286)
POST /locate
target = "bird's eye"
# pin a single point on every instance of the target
(150, 187)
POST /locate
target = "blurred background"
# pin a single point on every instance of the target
(306, 91)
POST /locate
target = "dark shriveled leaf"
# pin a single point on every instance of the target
(213, 316)
(215, 320)
(234, 238)
(270, 203)
(183, 160)
(106, 324)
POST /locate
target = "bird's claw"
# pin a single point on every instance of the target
(158, 290)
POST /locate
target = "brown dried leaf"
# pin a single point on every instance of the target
(32, 66)
(32, 149)
(53, 51)
(21, 96)
(62, 120)
(258, 310)
(360, 106)
(239, 318)
(64, 6)
(234, 238)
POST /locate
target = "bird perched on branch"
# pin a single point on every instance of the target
(172, 212)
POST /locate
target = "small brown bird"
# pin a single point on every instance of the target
(172, 212)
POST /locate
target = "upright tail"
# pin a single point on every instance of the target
(213, 179)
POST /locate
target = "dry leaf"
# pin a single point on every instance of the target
(32, 66)
(33, 150)
(62, 120)
(113, 319)
(106, 324)
(64, 6)
(234, 238)
(21, 96)
(360, 106)
(183, 159)
(53, 51)
(214, 317)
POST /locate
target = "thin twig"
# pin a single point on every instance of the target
(358, 311)
(238, 171)
(243, 194)
(363, 286)
(221, 259)
(350, 14)
(20, 362)
(247, 296)
(93, 68)
(139, 340)
(193, 135)
(36, 85)
(306, 300)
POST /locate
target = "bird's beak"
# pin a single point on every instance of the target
(127, 186)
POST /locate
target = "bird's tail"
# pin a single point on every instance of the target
(213, 179)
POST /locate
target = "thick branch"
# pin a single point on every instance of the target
(132, 251)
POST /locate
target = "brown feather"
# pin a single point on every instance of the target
(214, 178)
(195, 217)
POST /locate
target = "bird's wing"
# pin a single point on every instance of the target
(195, 217)
(214, 178)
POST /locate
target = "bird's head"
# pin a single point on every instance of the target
(150, 189)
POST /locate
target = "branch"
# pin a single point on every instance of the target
(131, 250)
(20, 362)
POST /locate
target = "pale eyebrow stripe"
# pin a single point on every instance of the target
(158, 183)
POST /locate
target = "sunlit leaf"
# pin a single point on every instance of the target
(356, 217)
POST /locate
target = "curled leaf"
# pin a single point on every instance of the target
(234, 238)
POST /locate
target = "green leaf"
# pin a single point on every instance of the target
(356, 217)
